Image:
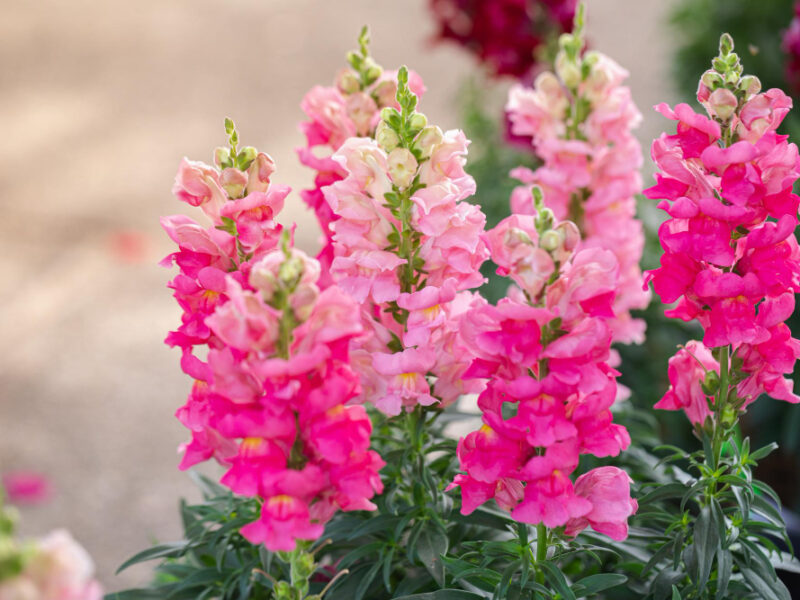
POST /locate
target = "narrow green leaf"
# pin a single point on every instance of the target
(171, 550)
(554, 575)
(597, 583)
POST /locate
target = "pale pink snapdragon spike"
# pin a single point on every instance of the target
(545, 351)
(348, 109)
(408, 248)
(56, 567)
(580, 121)
(731, 260)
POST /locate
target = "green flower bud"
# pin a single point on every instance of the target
(386, 137)
(711, 79)
(347, 81)
(550, 240)
(417, 122)
(222, 157)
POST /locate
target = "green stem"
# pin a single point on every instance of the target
(719, 407)
(541, 550)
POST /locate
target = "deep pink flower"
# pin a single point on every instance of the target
(608, 491)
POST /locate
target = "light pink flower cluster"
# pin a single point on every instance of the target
(350, 108)
(269, 402)
(544, 350)
(407, 248)
(579, 122)
(731, 260)
(56, 568)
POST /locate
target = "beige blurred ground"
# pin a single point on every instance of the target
(99, 101)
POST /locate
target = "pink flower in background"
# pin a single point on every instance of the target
(26, 487)
(590, 172)
(508, 36)
(58, 568)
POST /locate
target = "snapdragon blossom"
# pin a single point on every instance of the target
(349, 108)
(579, 121)
(791, 47)
(270, 400)
(731, 261)
(509, 36)
(408, 250)
(545, 350)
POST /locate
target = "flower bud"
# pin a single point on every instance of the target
(261, 169)
(550, 240)
(361, 108)
(385, 92)
(373, 70)
(568, 71)
(245, 157)
(233, 181)
(417, 122)
(750, 85)
(390, 115)
(402, 167)
(722, 104)
(347, 81)
(222, 157)
(427, 140)
(386, 137)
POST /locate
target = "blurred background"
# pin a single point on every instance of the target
(100, 100)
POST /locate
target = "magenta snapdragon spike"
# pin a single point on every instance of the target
(545, 352)
(731, 261)
(407, 249)
(508, 36)
(270, 399)
(791, 47)
(580, 121)
(336, 113)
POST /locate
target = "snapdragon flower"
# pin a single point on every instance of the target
(579, 121)
(731, 260)
(407, 248)
(545, 351)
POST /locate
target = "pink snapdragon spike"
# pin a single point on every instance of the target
(408, 249)
(270, 400)
(348, 109)
(508, 36)
(56, 568)
(544, 353)
(731, 261)
(580, 122)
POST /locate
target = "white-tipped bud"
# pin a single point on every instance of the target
(722, 103)
(402, 167)
(347, 81)
(222, 157)
(386, 137)
(750, 85)
(233, 181)
(417, 121)
(568, 70)
(550, 240)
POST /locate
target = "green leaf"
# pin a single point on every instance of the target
(448, 594)
(765, 588)
(366, 580)
(597, 583)
(662, 492)
(705, 542)
(431, 545)
(554, 575)
(676, 595)
(724, 571)
(171, 550)
(764, 452)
